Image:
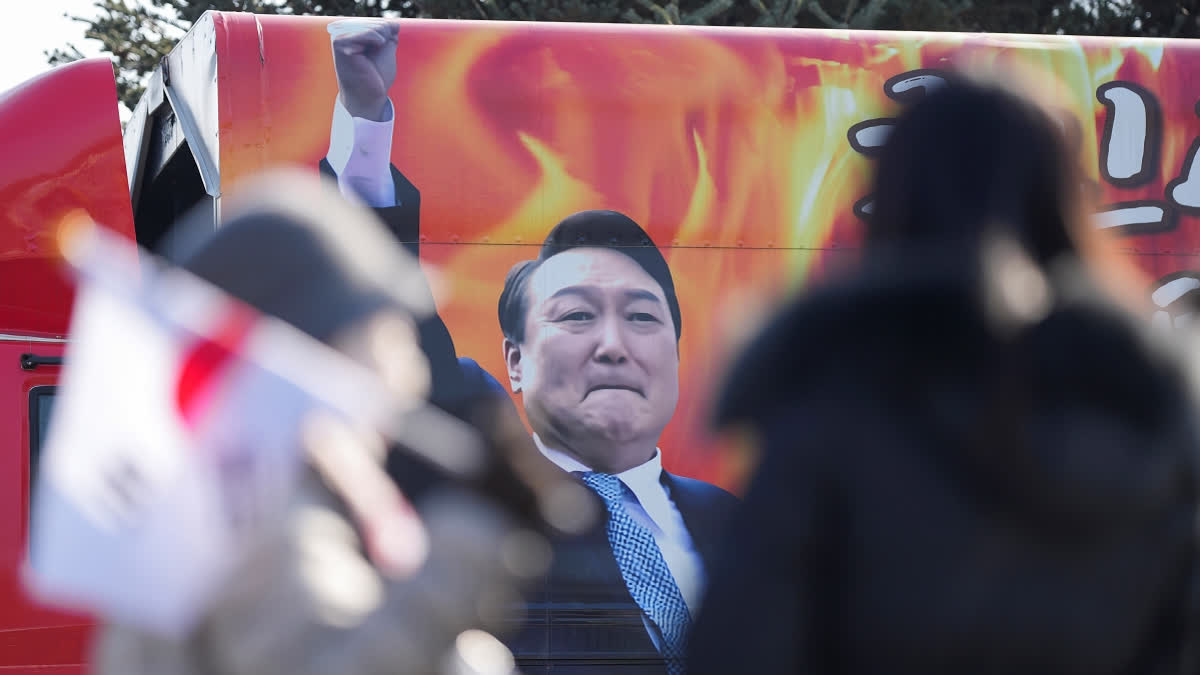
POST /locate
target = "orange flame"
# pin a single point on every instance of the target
(728, 145)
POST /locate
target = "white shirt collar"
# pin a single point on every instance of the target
(648, 501)
(641, 479)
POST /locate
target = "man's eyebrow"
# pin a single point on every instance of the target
(642, 294)
(586, 291)
(590, 292)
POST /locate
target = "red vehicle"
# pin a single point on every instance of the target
(743, 154)
(78, 165)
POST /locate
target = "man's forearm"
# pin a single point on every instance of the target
(360, 153)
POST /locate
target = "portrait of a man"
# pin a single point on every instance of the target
(591, 330)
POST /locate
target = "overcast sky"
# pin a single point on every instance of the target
(31, 27)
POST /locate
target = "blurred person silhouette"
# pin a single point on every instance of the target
(974, 457)
(309, 596)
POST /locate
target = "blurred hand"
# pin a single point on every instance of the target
(364, 59)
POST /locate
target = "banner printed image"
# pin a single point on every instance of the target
(591, 330)
(812, 123)
(742, 154)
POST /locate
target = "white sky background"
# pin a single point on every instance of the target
(32, 27)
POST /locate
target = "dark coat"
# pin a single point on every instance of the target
(582, 619)
(404, 221)
(937, 495)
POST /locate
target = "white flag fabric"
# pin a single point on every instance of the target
(173, 440)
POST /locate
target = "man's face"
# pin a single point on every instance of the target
(599, 366)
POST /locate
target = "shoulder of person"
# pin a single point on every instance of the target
(701, 490)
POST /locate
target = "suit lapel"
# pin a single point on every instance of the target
(585, 564)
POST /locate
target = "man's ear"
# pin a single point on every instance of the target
(512, 360)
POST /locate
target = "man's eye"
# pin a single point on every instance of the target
(577, 316)
(643, 316)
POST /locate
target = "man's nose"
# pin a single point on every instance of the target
(610, 345)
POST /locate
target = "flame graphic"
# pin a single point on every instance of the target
(728, 145)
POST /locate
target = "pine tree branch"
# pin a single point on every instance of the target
(850, 7)
(818, 11)
(789, 11)
(868, 17)
(657, 10)
(704, 14)
(517, 11)
(479, 8)
(1180, 19)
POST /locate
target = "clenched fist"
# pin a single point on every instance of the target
(364, 58)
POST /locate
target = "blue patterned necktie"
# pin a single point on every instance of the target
(644, 570)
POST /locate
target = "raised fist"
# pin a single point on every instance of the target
(364, 58)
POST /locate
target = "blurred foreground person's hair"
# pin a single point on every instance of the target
(973, 459)
(307, 597)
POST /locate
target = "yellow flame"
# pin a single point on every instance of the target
(555, 193)
(704, 195)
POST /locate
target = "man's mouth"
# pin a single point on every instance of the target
(621, 387)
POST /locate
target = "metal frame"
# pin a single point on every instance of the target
(178, 111)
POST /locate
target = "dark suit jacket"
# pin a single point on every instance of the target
(582, 619)
(404, 221)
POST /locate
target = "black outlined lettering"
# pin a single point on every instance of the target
(1132, 134)
(1176, 296)
(1184, 191)
(868, 137)
(1136, 217)
(910, 86)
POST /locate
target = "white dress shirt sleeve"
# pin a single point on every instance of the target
(360, 152)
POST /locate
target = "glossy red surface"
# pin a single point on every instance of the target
(62, 139)
(61, 135)
(32, 639)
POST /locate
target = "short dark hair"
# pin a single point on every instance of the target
(586, 229)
